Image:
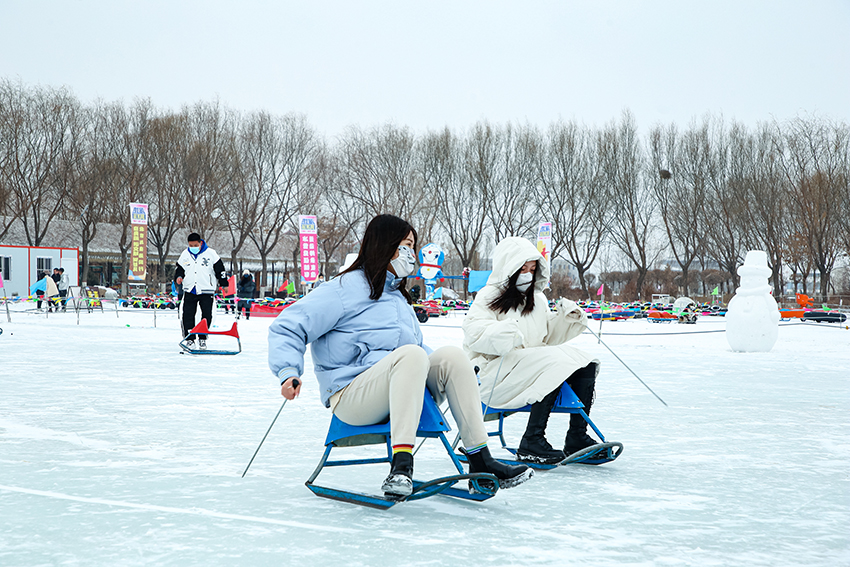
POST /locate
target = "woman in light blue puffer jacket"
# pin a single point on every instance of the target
(370, 360)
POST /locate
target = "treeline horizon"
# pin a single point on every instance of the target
(701, 195)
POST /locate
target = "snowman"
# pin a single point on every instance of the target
(752, 321)
(431, 258)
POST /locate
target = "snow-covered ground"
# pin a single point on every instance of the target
(117, 450)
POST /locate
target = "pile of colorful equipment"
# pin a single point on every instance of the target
(806, 312)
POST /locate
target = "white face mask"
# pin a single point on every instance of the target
(523, 281)
(405, 264)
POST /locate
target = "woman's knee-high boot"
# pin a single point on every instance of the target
(534, 447)
(583, 383)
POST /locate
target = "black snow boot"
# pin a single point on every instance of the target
(583, 383)
(534, 447)
(400, 480)
(508, 475)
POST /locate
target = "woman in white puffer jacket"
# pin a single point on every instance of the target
(519, 346)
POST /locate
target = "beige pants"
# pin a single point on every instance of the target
(394, 388)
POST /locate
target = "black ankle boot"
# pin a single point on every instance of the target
(508, 475)
(534, 447)
(583, 383)
(400, 480)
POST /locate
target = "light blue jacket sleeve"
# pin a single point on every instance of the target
(299, 324)
(40, 285)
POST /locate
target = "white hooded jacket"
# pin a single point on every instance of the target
(527, 351)
(200, 271)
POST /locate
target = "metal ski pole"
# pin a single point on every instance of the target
(295, 382)
(627, 367)
(601, 315)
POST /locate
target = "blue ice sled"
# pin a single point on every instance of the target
(567, 402)
(431, 425)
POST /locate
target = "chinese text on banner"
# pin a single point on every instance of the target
(309, 244)
(139, 251)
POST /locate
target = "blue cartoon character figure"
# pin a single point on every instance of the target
(431, 258)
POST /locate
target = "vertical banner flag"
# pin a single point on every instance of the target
(601, 289)
(309, 244)
(544, 240)
(139, 251)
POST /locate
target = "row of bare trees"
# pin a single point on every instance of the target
(696, 198)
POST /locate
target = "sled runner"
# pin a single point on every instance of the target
(431, 425)
(567, 402)
(202, 329)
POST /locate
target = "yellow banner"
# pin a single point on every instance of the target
(139, 253)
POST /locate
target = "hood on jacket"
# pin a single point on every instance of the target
(509, 256)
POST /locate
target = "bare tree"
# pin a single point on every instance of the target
(338, 217)
(681, 195)
(728, 172)
(628, 178)
(448, 168)
(813, 166)
(504, 169)
(574, 196)
(277, 154)
(767, 196)
(167, 194)
(89, 197)
(9, 113)
(42, 129)
(131, 129)
(211, 167)
(380, 171)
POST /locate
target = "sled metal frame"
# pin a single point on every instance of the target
(566, 402)
(202, 329)
(432, 425)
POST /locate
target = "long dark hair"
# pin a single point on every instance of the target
(380, 242)
(512, 298)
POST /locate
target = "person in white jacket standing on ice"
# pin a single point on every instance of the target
(519, 346)
(200, 271)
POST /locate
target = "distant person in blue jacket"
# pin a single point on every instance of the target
(370, 360)
(46, 288)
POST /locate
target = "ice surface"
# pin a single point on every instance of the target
(117, 450)
(753, 316)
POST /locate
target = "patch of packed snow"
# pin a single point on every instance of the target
(116, 449)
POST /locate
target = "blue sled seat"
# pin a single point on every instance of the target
(567, 402)
(432, 425)
(341, 434)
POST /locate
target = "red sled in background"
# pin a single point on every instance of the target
(202, 329)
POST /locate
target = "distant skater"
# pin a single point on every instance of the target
(245, 292)
(199, 271)
(63, 284)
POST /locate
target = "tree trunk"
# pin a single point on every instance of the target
(824, 285)
(295, 271)
(581, 271)
(124, 271)
(85, 263)
(640, 282)
(263, 276)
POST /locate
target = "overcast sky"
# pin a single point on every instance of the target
(431, 64)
